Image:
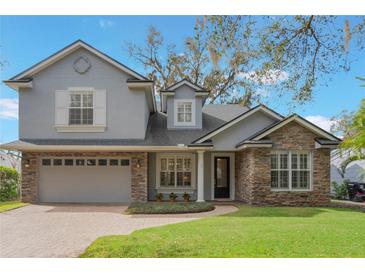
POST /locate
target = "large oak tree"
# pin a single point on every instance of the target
(237, 57)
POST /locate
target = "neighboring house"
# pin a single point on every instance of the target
(355, 171)
(90, 132)
(9, 160)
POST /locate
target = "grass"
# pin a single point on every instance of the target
(5, 206)
(248, 232)
(167, 207)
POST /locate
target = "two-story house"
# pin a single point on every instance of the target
(90, 131)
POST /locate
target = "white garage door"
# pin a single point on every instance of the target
(85, 180)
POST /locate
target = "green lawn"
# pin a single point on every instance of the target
(249, 232)
(5, 206)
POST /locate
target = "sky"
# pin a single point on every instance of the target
(25, 40)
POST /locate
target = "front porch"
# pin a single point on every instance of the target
(204, 175)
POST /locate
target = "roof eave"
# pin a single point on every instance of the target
(245, 146)
(17, 84)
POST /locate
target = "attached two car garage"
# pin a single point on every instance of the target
(84, 180)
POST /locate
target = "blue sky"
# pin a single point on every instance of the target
(28, 39)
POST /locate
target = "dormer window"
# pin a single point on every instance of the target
(184, 112)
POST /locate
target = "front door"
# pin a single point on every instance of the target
(221, 177)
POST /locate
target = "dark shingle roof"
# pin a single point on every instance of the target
(224, 112)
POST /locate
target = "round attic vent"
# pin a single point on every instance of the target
(82, 65)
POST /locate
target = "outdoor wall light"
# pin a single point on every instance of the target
(27, 163)
(138, 164)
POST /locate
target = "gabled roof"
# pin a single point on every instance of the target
(237, 119)
(260, 135)
(170, 91)
(187, 82)
(66, 51)
(225, 112)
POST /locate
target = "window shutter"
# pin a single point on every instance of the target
(100, 108)
(62, 99)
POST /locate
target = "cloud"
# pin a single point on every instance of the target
(8, 108)
(271, 77)
(321, 121)
(105, 23)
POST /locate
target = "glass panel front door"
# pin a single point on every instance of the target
(221, 177)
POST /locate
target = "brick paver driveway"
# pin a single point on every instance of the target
(66, 230)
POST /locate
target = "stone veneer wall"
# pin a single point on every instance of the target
(253, 171)
(30, 175)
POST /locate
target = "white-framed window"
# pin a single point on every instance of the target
(291, 170)
(184, 112)
(175, 171)
(81, 109)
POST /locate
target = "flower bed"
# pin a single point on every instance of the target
(169, 207)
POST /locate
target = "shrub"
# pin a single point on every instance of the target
(340, 190)
(168, 208)
(159, 197)
(186, 197)
(9, 184)
(172, 197)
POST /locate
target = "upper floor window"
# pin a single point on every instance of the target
(81, 109)
(291, 170)
(184, 112)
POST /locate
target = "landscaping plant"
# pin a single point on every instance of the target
(172, 197)
(159, 197)
(341, 191)
(186, 197)
(9, 184)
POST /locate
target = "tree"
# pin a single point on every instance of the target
(238, 57)
(351, 125)
(355, 138)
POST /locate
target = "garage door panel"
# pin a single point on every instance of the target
(84, 184)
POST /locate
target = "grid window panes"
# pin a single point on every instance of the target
(279, 171)
(80, 162)
(57, 162)
(102, 162)
(176, 171)
(124, 162)
(113, 162)
(46, 162)
(81, 110)
(300, 170)
(184, 112)
(290, 170)
(69, 162)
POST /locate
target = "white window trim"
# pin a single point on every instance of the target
(81, 128)
(193, 122)
(81, 91)
(176, 189)
(310, 156)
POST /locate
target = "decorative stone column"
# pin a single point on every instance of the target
(29, 187)
(139, 177)
(200, 188)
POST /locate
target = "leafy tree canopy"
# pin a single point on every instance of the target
(238, 57)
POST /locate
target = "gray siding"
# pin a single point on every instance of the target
(230, 137)
(184, 92)
(127, 112)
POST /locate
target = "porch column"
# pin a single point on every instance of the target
(200, 188)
